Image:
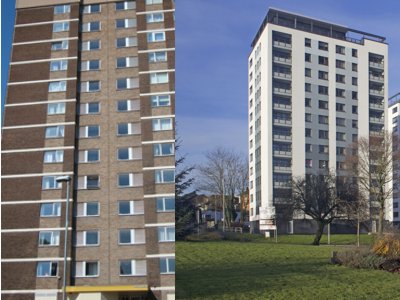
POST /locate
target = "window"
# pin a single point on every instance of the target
(125, 23)
(91, 26)
(354, 52)
(90, 131)
(308, 132)
(89, 156)
(130, 180)
(340, 64)
(354, 81)
(308, 148)
(307, 72)
(163, 149)
(322, 60)
(340, 136)
(87, 238)
(131, 236)
(354, 109)
(323, 119)
(127, 83)
(49, 238)
(322, 75)
(340, 150)
(307, 57)
(167, 265)
(52, 209)
(323, 46)
(354, 137)
(50, 183)
(58, 65)
(90, 65)
(87, 209)
(166, 234)
(127, 62)
(354, 95)
(340, 49)
(56, 108)
(148, 2)
(154, 17)
(54, 156)
(128, 128)
(89, 108)
(162, 124)
(57, 46)
(62, 9)
(165, 204)
(91, 9)
(46, 269)
(323, 134)
(60, 26)
(354, 123)
(354, 67)
(160, 100)
(323, 90)
(341, 122)
(340, 107)
(124, 42)
(323, 149)
(156, 78)
(308, 163)
(124, 5)
(340, 78)
(88, 182)
(132, 268)
(128, 105)
(322, 104)
(129, 153)
(165, 176)
(340, 93)
(323, 164)
(307, 42)
(57, 86)
(158, 56)
(130, 208)
(308, 117)
(86, 269)
(90, 86)
(157, 36)
(307, 87)
(90, 45)
(307, 102)
(54, 132)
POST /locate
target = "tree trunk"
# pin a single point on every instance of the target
(318, 234)
(358, 232)
(381, 215)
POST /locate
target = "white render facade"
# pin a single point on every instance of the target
(314, 88)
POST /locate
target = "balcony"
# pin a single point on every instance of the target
(283, 60)
(282, 44)
(283, 169)
(377, 106)
(281, 75)
(375, 78)
(379, 93)
(282, 91)
(282, 137)
(284, 122)
(376, 133)
(377, 120)
(282, 153)
(282, 184)
(378, 65)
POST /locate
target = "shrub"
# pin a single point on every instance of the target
(388, 245)
(359, 258)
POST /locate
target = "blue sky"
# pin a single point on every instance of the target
(212, 44)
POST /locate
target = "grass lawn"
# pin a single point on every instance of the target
(261, 269)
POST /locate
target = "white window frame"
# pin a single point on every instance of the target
(85, 86)
(57, 108)
(54, 238)
(55, 210)
(84, 108)
(151, 17)
(161, 124)
(163, 234)
(64, 45)
(83, 268)
(134, 207)
(51, 264)
(87, 27)
(131, 83)
(130, 41)
(62, 9)
(85, 181)
(131, 178)
(128, 23)
(54, 185)
(158, 147)
(131, 127)
(150, 2)
(163, 200)
(87, 9)
(84, 206)
(82, 235)
(130, 153)
(57, 86)
(158, 101)
(87, 45)
(132, 105)
(159, 78)
(159, 176)
(60, 26)
(129, 62)
(156, 36)
(85, 65)
(133, 268)
(86, 132)
(158, 56)
(167, 264)
(58, 65)
(86, 155)
(56, 156)
(127, 5)
(60, 132)
(132, 236)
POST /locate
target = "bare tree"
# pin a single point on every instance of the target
(223, 173)
(316, 195)
(370, 161)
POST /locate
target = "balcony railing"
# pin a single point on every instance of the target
(376, 133)
(282, 44)
(379, 106)
(376, 92)
(282, 106)
(376, 78)
(282, 184)
(377, 120)
(376, 65)
(283, 153)
(282, 121)
(285, 60)
(282, 75)
(282, 137)
(282, 168)
(282, 91)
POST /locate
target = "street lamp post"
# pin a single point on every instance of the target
(66, 179)
(223, 204)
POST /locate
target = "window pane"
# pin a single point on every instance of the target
(171, 233)
(123, 179)
(169, 176)
(163, 265)
(93, 155)
(124, 208)
(124, 236)
(125, 267)
(93, 131)
(169, 203)
(123, 128)
(122, 105)
(92, 181)
(93, 108)
(167, 149)
(92, 238)
(91, 269)
(92, 209)
(123, 153)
